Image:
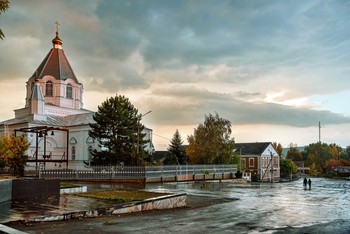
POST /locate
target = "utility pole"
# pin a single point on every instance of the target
(271, 163)
(138, 133)
(319, 131)
(240, 158)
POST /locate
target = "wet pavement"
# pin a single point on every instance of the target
(265, 208)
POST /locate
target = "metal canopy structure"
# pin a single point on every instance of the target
(42, 132)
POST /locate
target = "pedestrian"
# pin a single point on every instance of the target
(305, 182)
(309, 183)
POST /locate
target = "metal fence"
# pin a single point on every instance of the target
(135, 172)
(181, 170)
(100, 172)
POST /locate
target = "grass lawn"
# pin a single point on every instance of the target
(64, 185)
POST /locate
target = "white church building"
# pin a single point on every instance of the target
(53, 119)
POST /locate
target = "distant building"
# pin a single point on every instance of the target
(53, 119)
(285, 150)
(260, 159)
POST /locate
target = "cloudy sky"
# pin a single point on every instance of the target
(273, 68)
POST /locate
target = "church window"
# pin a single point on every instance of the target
(90, 140)
(90, 152)
(72, 141)
(49, 91)
(69, 93)
(73, 152)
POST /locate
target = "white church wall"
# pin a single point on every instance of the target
(81, 143)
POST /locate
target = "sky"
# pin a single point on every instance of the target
(275, 69)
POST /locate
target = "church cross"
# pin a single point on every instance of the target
(57, 24)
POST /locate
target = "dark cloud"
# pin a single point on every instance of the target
(194, 57)
(192, 103)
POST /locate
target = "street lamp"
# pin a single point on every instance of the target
(138, 133)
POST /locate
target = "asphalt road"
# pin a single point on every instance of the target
(225, 207)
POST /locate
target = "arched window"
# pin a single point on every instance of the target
(90, 140)
(89, 152)
(73, 152)
(49, 91)
(69, 93)
(72, 141)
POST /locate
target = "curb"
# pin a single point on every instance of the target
(158, 203)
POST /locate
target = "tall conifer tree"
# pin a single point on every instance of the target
(117, 129)
(177, 154)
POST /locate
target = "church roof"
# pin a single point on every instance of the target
(37, 94)
(52, 120)
(55, 64)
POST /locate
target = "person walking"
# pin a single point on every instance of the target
(305, 182)
(309, 183)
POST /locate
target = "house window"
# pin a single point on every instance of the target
(243, 164)
(266, 162)
(49, 91)
(251, 162)
(73, 152)
(69, 93)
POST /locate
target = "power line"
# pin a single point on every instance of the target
(161, 136)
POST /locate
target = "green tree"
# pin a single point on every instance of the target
(315, 170)
(3, 152)
(4, 5)
(170, 159)
(294, 154)
(211, 142)
(117, 129)
(176, 152)
(287, 167)
(318, 154)
(345, 154)
(12, 153)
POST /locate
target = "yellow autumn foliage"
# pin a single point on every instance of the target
(12, 152)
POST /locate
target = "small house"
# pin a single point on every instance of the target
(260, 159)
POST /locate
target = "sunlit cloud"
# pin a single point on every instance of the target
(279, 65)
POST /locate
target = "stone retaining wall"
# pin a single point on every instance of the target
(179, 178)
(82, 189)
(164, 202)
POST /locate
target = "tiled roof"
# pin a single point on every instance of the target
(256, 148)
(14, 121)
(55, 64)
(52, 120)
(80, 119)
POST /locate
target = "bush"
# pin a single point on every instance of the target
(238, 174)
